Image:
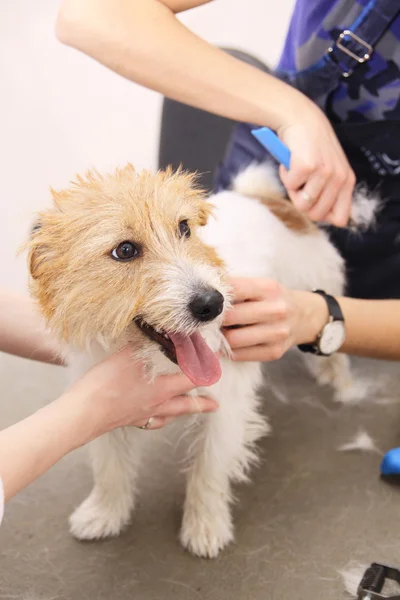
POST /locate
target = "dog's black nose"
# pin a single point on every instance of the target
(207, 305)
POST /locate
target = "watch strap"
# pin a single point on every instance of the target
(335, 314)
(333, 305)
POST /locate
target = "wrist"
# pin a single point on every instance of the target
(289, 107)
(313, 315)
(79, 419)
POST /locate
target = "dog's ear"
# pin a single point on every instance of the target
(37, 255)
(34, 249)
(35, 227)
(39, 247)
(206, 210)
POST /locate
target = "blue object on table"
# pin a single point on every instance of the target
(273, 144)
(390, 464)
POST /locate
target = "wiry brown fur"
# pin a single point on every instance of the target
(285, 211)
(82, 291)
(260, 182)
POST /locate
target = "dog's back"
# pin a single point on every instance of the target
(259, 233)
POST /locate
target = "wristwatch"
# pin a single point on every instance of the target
(332, 335)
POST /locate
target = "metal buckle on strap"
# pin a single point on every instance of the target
(368, 49)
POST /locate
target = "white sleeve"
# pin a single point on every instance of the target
(1, 501)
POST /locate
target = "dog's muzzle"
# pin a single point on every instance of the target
(206, 305)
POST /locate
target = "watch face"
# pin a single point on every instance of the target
(332, 337)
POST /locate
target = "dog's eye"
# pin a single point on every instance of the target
(125, 251)
(184, 228)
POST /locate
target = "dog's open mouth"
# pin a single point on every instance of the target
(161, 338)
(190, 352)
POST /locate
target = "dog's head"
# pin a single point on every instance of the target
(118, 257)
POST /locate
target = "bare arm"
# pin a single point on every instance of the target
(115, 393)
(373, 328)
(178, 6)
(22, 331)
(29, 448)
(278, 318)
(143, 41)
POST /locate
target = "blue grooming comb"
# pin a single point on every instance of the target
(267, 138)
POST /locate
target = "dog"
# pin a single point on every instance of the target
(142, 258)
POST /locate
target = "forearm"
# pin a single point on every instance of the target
(143, 41)
(178, 6)
(372, 326)
(22, 330)
(29, 448)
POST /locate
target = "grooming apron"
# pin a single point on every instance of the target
(345, 56)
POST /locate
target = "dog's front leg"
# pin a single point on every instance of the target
(223, 451)
(107, 510)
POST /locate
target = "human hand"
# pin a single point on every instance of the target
(116, 393)
(320, 181)
(271, 319)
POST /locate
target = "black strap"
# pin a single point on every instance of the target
(369, 26)
(335, 313)
(320, 80)
(333, 305)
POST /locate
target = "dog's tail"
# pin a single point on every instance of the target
(262, 181)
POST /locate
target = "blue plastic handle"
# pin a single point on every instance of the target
(273, 144)
(391, 462)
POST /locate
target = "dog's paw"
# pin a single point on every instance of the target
(94, 519)
(352, 392)
(205, 536)
(331, 371)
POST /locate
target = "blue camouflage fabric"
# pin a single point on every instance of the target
(361, 100)
(372, 92)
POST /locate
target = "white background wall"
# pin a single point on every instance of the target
(60, 112)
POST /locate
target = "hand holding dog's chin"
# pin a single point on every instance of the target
(116, 393)
(271, 319)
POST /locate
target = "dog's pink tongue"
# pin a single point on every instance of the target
(196, 359)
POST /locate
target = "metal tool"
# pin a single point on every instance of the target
(373, 582)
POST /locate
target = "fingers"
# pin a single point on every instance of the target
(306, 198)
(250, 313)
(342, 209)
(326, 201)
(245, 289)
(255, 335)
(300, 172)
(327, 191)
(320, 181)
(261, 353)
(187, 405)
(177, 407)
(155, 423)
(173, 385)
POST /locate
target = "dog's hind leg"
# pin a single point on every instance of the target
(223, 452)
(106, 511)
(336, 371)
